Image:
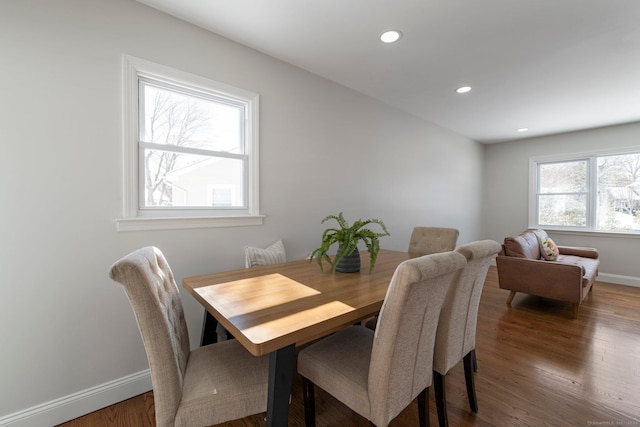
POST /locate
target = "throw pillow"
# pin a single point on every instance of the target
(549, 249)
(274, 254)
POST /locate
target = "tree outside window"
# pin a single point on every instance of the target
(189, 142)
(619, 192)
(600, 193)
(563, 196)
(184, 135)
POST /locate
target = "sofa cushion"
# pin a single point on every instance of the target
(549, 249)
(589, 266)
(525, 245)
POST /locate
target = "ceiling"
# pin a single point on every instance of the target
(547, 65)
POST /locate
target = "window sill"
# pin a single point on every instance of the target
(145, 224)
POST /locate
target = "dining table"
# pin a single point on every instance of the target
(273, 309)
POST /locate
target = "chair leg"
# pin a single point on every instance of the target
(475, 361)
(576, 307)
(423, 408)
(309, 403)
(441, 399)
(510, 298)
(468, 376)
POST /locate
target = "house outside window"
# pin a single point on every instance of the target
(597, 192)
(222, 195)
(186, 135)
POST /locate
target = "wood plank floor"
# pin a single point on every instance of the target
(536, 367)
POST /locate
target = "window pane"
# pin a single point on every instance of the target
(187, 180)
(619, 192)
(175, 118)
(563, 210)
(569, 177)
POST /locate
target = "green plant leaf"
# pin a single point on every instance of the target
(347, 238)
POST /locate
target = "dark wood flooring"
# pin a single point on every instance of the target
(536, 367)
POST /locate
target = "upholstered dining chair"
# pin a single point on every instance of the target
(378, 374)
(208, 385)
(456, 335)
(431, 240)
(426, 241)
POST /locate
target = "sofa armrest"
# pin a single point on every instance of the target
(546, 279)
(579, 251)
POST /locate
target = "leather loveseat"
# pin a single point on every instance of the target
(522, 268)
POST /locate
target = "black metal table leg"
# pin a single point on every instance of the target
(209, 334)
(280, 379)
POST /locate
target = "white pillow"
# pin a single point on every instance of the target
(274, 254)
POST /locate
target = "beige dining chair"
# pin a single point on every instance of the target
(208, 385)
(426, 241)
(456, 335)
(431, 240)
(378, 374)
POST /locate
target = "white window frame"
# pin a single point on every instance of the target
(133, 218)
(592, 189)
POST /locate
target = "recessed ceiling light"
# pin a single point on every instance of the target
(463, 89)
(523, 129)
(390, 36)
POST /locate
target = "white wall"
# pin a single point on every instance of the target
(506, 194)
(69, 337)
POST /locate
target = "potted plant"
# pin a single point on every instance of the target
(347, 258)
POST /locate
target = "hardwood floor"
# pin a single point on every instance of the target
(536, 367)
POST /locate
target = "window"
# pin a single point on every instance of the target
(191, 150)
(563, 193)
(591, 193)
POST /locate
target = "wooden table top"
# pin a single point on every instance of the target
(270, 307)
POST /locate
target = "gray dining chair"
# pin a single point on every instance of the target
(378, 374)
(456, 334)
(208, 385)
(431, 240)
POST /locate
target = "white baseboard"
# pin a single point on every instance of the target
(75, 405)
(619, 279)
(83, 402)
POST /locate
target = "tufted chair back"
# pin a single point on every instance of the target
(149, 284)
